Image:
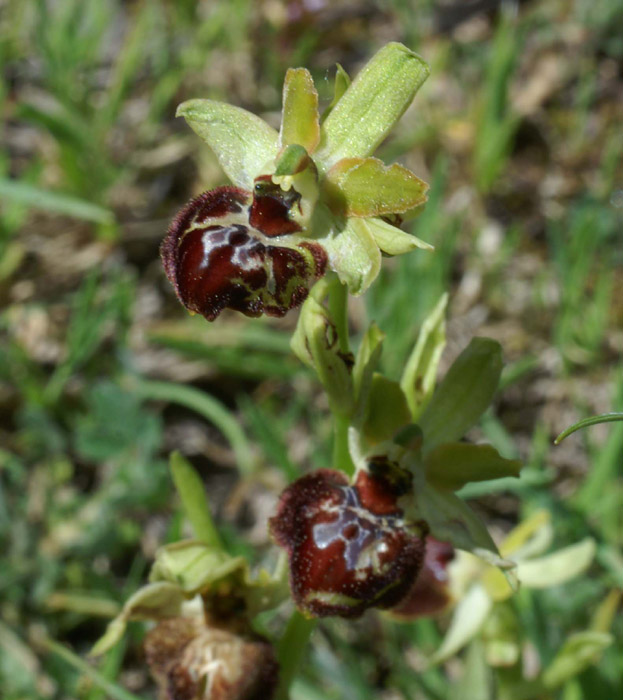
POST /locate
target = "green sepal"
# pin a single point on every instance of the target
(242, 142)
(340, 85)
(418, 377)
(197, 569)
(392, 241)
(194, 566)
(366, 187)
(450, 519)
(354, 255)
(151, 602)
(315, 343)
(464, 393)
(371, 105)
(452, 465)
(387, 409)
(299, 120)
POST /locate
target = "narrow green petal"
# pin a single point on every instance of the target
(342, 82)
(392, 240)
(367, 187)
(299, 122)
(354, 255)
(372, 104)
(242, 142)
(420, 372)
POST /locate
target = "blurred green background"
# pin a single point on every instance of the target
(519, 132)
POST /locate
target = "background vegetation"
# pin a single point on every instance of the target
(518, 130)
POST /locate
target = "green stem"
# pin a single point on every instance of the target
(290, 651)
(338, 310)
(341, 454)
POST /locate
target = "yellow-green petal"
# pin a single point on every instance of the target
(392, 240)
(342, 81)
(242, 142)
(300, 123)
(372, 104)
(366, 187)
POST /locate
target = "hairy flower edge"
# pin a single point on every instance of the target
(230, 248)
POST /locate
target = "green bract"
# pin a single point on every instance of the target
(411, 423)
(326, 161)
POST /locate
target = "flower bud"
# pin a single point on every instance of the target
(348, 544)
(193, 662)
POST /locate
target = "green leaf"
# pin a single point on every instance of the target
(387, 409)
(392, 241)
(151, 602)
(452, 465)
(354, 255)
(468, 617)
(192, 493)
(299, 120)
(559, 567)
(208, 407)
(579, 651)
(418, 377)
(366, 187)
(591, 420)
(243, 143)
(371, 105)
(315, 342)
(464, 394)
(54, 202)
(112, 690)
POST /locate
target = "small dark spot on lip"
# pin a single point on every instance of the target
(238, 237)
(351, 531)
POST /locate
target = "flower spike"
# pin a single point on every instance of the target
(306, 199)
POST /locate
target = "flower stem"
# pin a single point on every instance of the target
(290, 651)
(341, 454)
(338, 311)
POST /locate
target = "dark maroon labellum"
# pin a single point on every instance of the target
(229, 248)
(349, 546)
(429, 595)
